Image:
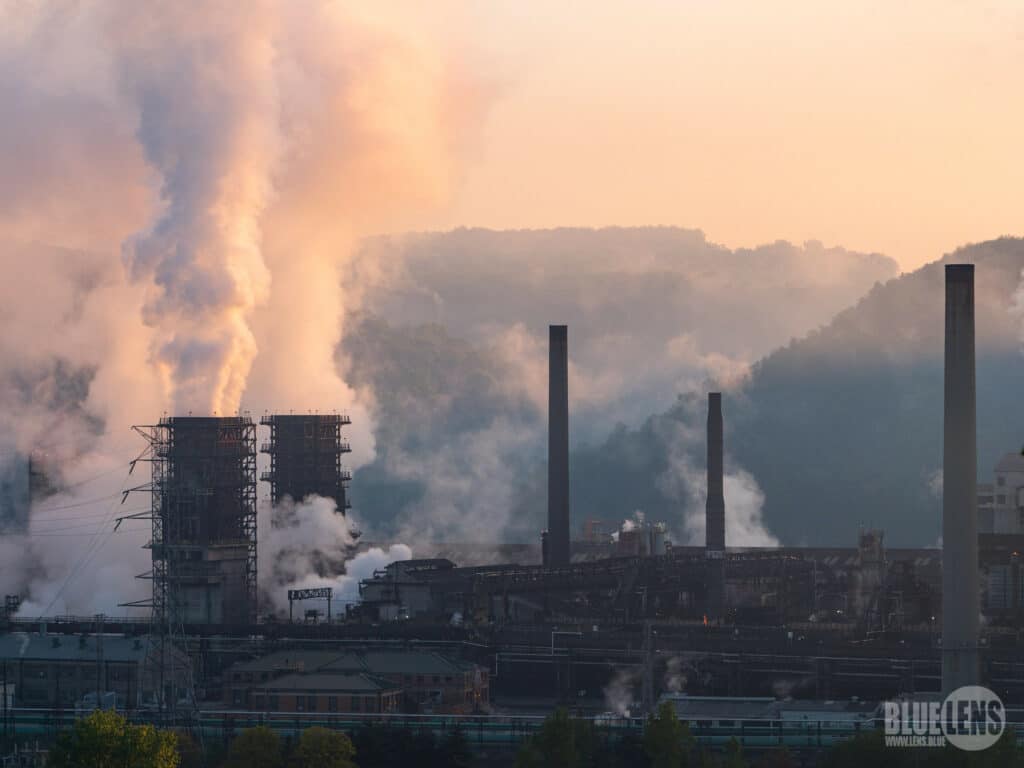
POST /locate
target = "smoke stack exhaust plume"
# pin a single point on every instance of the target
(558, 447)
(960, 599)
(715, 509)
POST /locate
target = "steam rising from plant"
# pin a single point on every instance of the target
(307, 544)
(213, 168)
(687, 481)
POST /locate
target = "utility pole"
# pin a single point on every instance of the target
(99, 660)
(647, 693)
(5, 703)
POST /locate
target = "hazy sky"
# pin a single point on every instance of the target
(892, 126)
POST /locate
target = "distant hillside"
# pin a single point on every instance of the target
(843, 427)
(451, 347)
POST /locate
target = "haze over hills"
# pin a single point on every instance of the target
(838, 429)
(843, 428)
(451, 346)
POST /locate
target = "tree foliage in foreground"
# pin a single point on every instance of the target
(105, 739)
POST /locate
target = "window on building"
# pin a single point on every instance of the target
(275, 703)
(1001, 481)
(311, 703)
(332, 703)
(1001, 498)
(437, 679)
(357, 704)
(236, 698)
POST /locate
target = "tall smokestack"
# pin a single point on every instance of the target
(715, 510)
(960, 599)
(558, 447)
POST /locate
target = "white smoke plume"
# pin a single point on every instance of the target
(182, 186)
(618, 694)
(675, 677)
(307, 544)
(688, 483)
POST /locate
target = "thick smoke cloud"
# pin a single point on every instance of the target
(182, 186)
(207, 102)
(651, 311)
(306, 545)
(453, 346)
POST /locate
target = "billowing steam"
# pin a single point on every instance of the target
(618, 694)
(687, 481)
(211, 169)
(208, 111)
(307, 544)
(675, 677)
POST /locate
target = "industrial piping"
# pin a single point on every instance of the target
(960, 597)
(557, 549)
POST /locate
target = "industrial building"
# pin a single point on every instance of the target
(203, 515)
(60, 671)
(366, 681)
(305, 458)
(320, 692)
(756, 625)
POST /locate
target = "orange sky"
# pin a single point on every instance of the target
(891, 126)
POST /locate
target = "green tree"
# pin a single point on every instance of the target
(104, 739)
(190, 752)
(256, 747)
(667, 742)
(322, 748)
(554, 746)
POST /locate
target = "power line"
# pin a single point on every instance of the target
(90, 516)
(71, 527)
(77, 504)
(119, 530)
(94, 546)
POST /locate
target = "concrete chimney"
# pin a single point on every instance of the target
(960, 598)
(558, 447)
(715, 510)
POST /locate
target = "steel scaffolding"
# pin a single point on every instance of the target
(203, 511)
(305, 457)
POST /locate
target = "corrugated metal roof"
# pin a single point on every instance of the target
(330, 683)
(372, 662)
(33, 646)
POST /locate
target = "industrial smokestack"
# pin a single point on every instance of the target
(715, 510)
(960, 599)
(558, 447)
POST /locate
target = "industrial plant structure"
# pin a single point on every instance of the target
(961, 607)
(305, 458)
(821, 622)
(203, 515)
(715, 510)
(556, 550)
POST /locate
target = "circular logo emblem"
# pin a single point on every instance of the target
(973, 718)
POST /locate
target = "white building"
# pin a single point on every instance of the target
(1001, 504)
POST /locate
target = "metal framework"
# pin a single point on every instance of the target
(319, 593)
(203, 501)
(305, 457)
